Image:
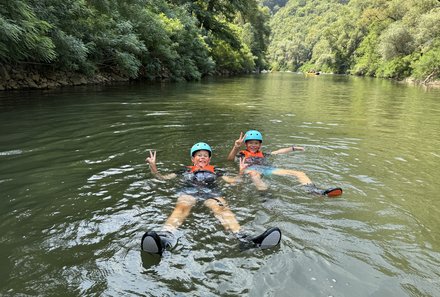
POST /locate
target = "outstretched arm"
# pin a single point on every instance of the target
(151, 160)
(236, 147)
(287, 150)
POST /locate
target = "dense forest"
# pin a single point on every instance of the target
(382, 38)
(166, 39)
(186, 40)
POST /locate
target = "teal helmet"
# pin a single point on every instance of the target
(200, 146)
(253, 135)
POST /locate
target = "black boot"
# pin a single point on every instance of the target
(330, 192)
(268, 239)
(156, 242)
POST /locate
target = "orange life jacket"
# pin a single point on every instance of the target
(209, 168)
(248, 154)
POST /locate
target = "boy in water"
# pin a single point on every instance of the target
(255, 163)
(201, 180)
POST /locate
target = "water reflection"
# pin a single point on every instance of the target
(77, 195)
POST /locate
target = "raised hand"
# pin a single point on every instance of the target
(152, 158)
(240, 140)
(243, 165)
(236, 148)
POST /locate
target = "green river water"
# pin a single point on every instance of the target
(77, 195)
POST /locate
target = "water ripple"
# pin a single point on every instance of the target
(77, 194)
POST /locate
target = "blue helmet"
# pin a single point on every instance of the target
(253, 135)
(200, 146)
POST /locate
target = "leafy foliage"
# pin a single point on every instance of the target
(397, 38)
(188, 39)
(427, 67)
(23, 36)
(174, 39)
(274, 5)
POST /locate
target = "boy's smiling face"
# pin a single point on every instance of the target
(201, 158)
(253, 145)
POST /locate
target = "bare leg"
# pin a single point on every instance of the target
(257, 180)
(180, 212)
(223, 213)
(301, 176)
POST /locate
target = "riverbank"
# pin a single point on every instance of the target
(429, 84)
(16, 78)
(19, 78)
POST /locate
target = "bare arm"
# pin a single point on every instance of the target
(151, 160)
(287, 150)
(236, 147)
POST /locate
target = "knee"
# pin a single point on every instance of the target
(186, 200)
(254, 174)
(218, 203)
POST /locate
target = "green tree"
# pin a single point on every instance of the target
(396, 41)
(166, 39)
(388, 38)
(23, 35)
(427, 67)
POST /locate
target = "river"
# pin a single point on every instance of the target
(77, 195)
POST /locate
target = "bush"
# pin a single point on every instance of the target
(428, 66)
(397, 68)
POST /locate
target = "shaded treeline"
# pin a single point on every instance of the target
(184, 39)
(382, 38)
(171, 39)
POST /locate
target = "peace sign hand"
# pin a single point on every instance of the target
(243, 165)
(240, 140)
(152, 158)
